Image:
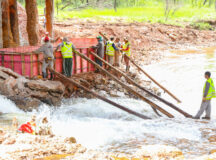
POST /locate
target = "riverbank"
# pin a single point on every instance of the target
(18, 146)
(119, 134)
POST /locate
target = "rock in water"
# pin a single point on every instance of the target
(47, 86)
(29, 94)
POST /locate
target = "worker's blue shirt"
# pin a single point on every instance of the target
(113, 45)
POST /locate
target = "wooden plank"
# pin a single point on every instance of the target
(12, 62)
(142, 88)
(98, 96)
(75, 63)
(88, 64)
(38, 64)
(2, 60)
(131, 90)
(31, 61)
(23, 64)
(81, 63)
(158, 84)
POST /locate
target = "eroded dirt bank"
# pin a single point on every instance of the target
(149, 41)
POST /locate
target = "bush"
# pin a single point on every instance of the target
(202, 26)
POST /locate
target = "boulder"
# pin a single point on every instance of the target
(25, 103)
(49, 86)
(8, 87)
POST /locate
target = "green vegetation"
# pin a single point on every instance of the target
(148, 13)
(202, 26)
(177, 12)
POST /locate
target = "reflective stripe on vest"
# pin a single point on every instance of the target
(211, 92)
(109, 48)
(128, 52)
(66, 50)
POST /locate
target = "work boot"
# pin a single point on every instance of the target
(44, 75)
(207, 118)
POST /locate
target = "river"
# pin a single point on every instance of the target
(97, 125)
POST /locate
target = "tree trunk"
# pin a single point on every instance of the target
(115, 5)
(49, 16)
(1, 41)
(32, 22)
(6, 28)
(14, 21)
(215, 4)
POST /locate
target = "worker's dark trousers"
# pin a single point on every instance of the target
(99, 62)
(67, 66)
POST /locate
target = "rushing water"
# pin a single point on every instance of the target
(98, 125)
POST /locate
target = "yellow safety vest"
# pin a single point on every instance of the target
(109, 48)
(211, 92)
(66, 50)
(128, 52)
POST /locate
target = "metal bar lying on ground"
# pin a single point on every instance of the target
(154, 80)
(142, 88)
(126, 87)
(98, 96)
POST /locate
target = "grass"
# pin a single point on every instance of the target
(202, 26)
(150, 13)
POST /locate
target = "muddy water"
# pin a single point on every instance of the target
(98, 125)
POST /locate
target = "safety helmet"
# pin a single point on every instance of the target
(100, 38)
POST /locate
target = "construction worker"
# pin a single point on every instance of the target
(47, 50)
(126, 53)
(208, 94)
(100, 51)
(117, 52)
(67, 50)
(110, 50)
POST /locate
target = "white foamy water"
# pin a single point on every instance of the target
(8, 106)
(96, 124)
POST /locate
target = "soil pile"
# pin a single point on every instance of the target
(147, 40)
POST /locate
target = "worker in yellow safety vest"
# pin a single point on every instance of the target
(126, 53)
(208, 94)
(67, 50)
(110, 50)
